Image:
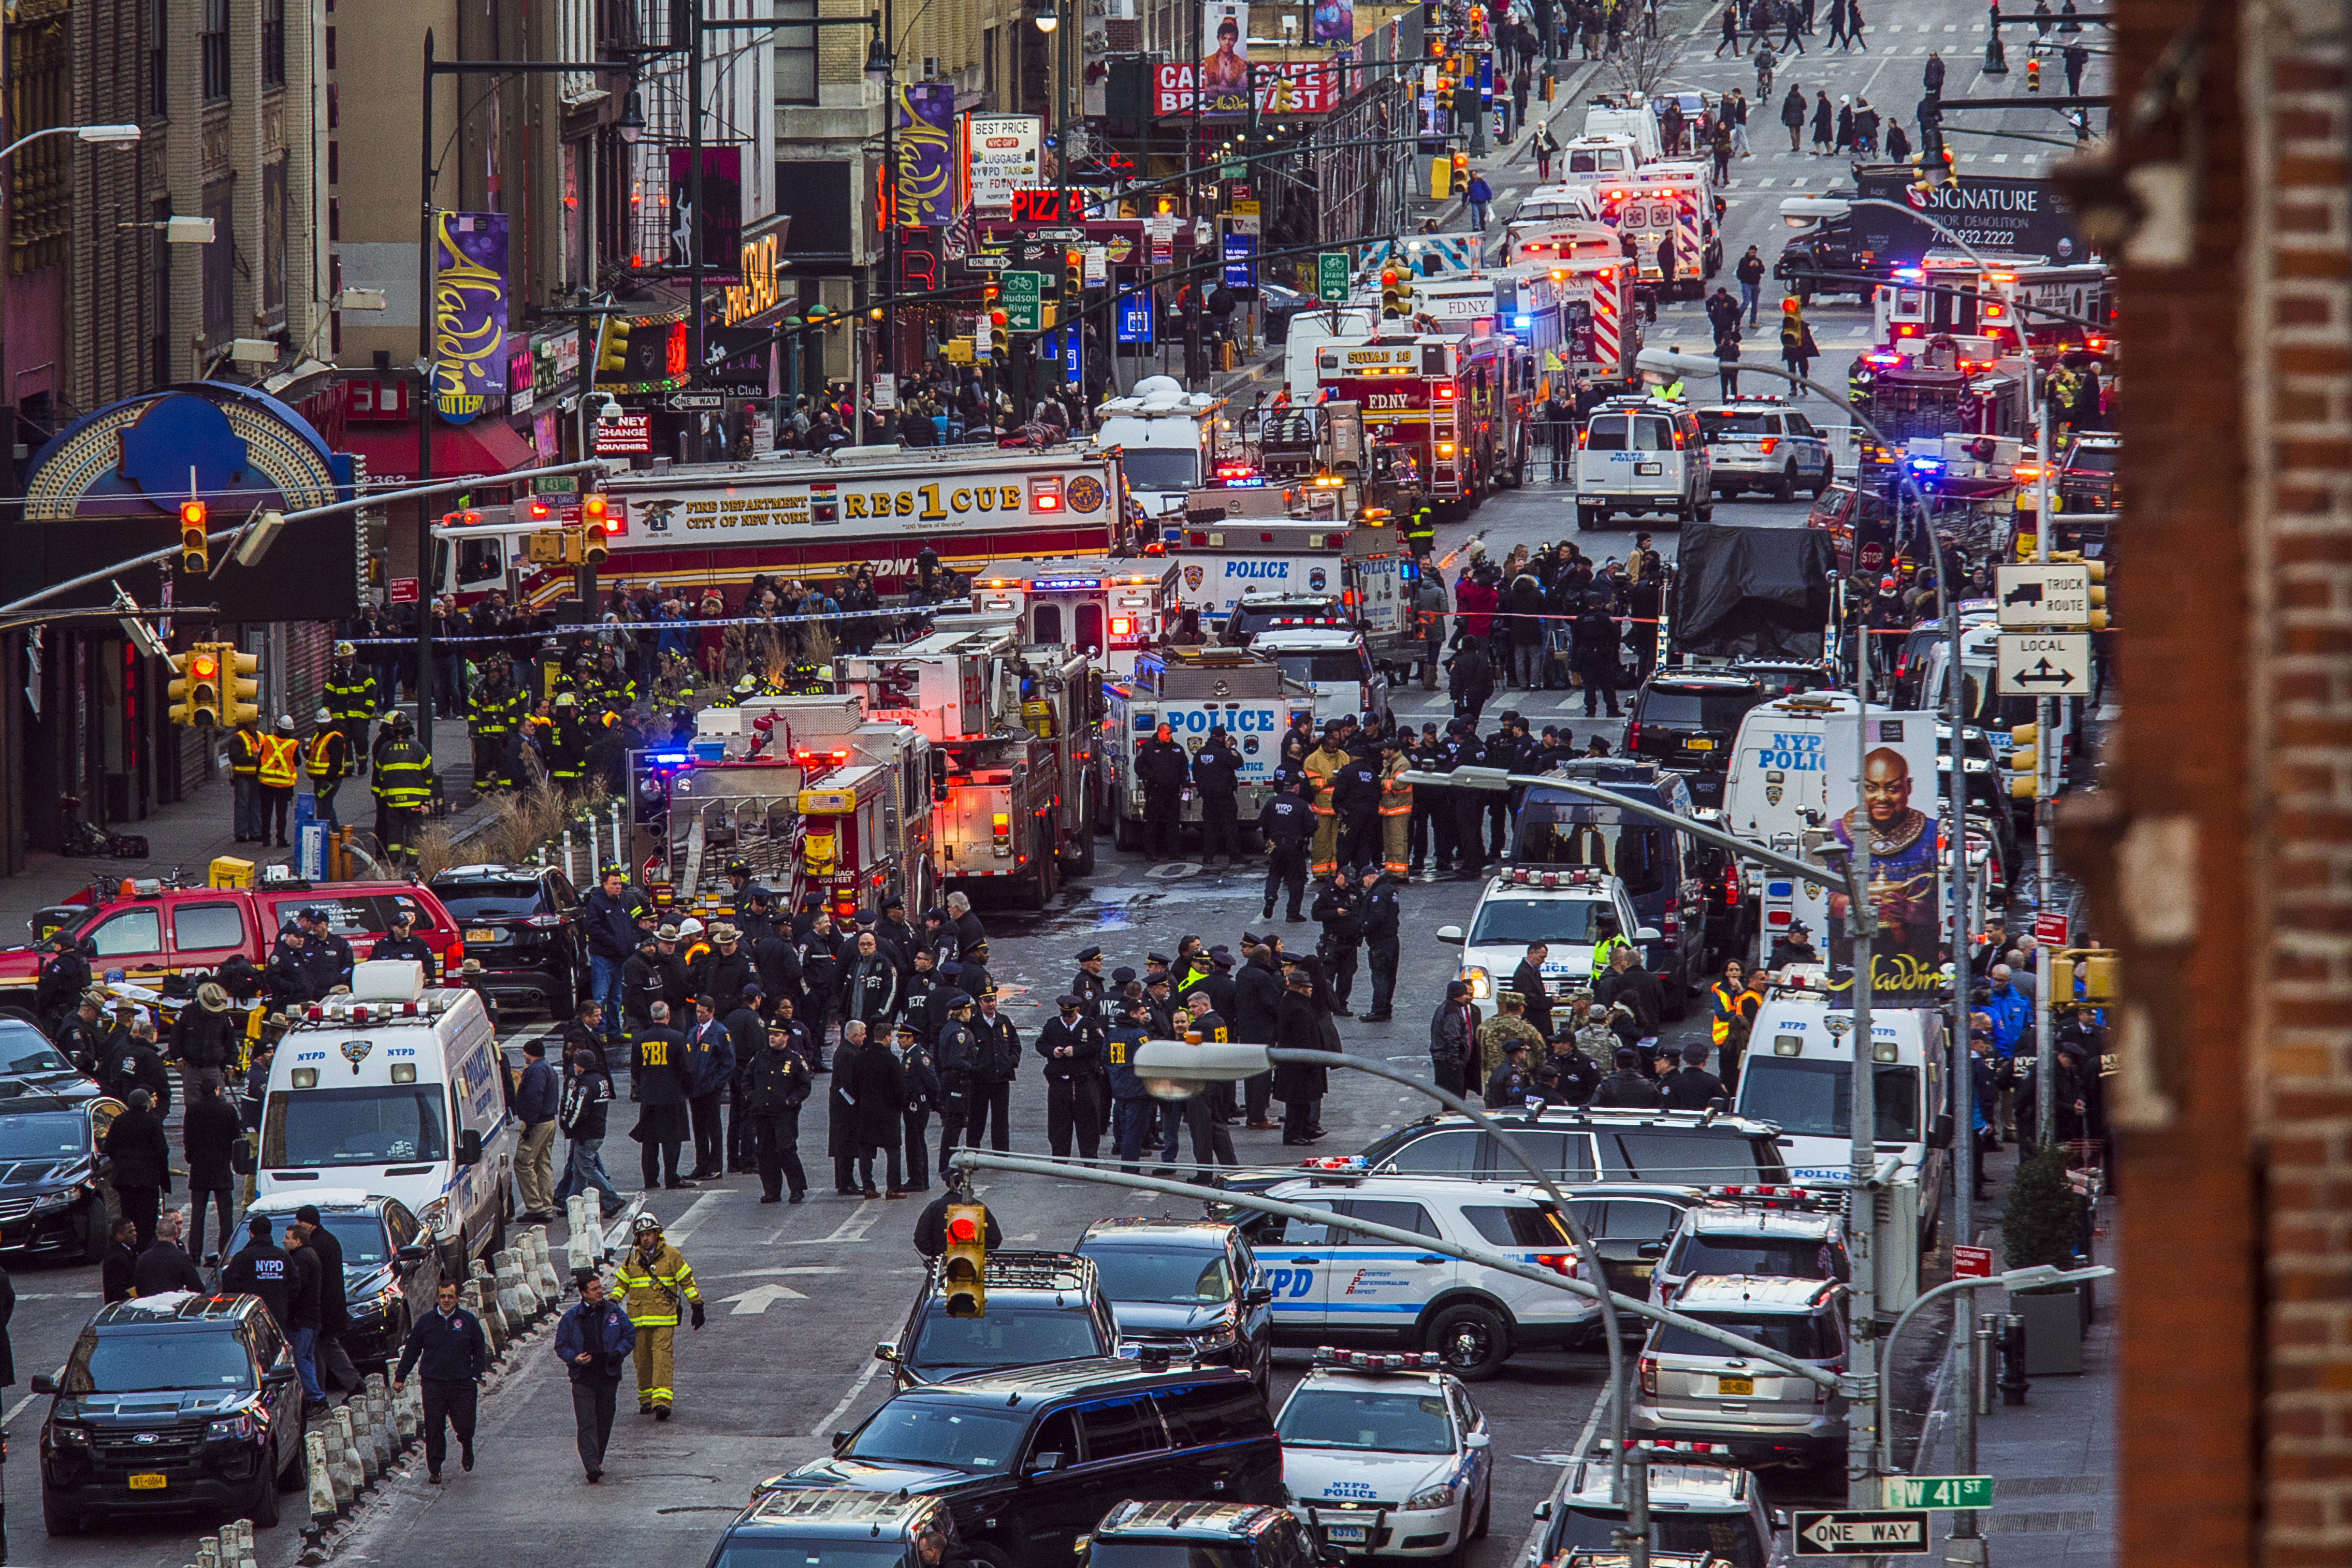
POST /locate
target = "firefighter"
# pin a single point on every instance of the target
(243, 767)
(350, 698)
(613, 686)
(1396, 807)
(1323, 766)
(1378, 913)
(655, 1280)
(281, 755)
(403, 783)
(496, 709)
(1421, 533)
(568, 743)
(1286, 824)
(328, 760)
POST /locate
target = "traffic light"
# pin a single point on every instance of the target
(195, 555)
(964, 1266)
(1073, 273)
(195, 695)
(613, 359)
(1396, 299)
(2034, 76)
(1919, 180)
(1000, 341)
(1460, 170)
(595, 528)
(240, 695)
(2022, 760)
(1950, 177)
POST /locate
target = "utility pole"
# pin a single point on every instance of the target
(2045, 787)
(1862, 1196)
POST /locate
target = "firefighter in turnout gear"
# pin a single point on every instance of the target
(1396, 807)
(350, 698)
(1421, 533)
(328, 760)
(1323, 766)
(655, 1284)
(281, 756)
(610, 683)
(497, 712)
(568, 743)
(403, 783)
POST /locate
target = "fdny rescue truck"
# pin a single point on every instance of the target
(1458, 404)
(1013, 732)
(1190, 690)
(713, 524)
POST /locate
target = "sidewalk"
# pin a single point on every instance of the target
(188, 835)
(2053, 1457)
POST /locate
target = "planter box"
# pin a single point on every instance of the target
(2054, 1330)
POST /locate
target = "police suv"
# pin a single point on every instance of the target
(1700, 1502)
(1762, 444)
(1385, 1453)
(1331, 1283)
(1642, 455)
(1575, 911)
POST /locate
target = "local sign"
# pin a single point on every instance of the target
(1862, 1533)
(2043, 664)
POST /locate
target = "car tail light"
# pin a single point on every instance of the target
(542, 922)
(1650, 1377)
(1634, 736)
(1767, 443)
(1673, 923)
(1561, 1263)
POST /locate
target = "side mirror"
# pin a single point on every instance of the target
(278, 1376)
(1939, 1135)
(840, 1441)
(1477, 1440)
(409, 1258)
(1648, 933)
(240, 1156)
(1650, 1250)
(886, 1351)
(1258, 1296)
(469, 1147)
(43, 1383)
(1543, 1509)
(1047, 1463)
(1450, 936)
(1779, 1519)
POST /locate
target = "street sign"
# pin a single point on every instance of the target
(404, 591)
(2044, 664)
(2034, 595)
(1331, 277)
(2051, 929)
(1971, 1262)
(1021, 296)
(1939, 1491)
(1860, 1533)
(691, 401)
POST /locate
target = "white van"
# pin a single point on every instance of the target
(400, 1093)
(1311, 330)
(1168, 440)
(1797, 1075)
(1642, 455)
(1776, 792)
(1635, 122)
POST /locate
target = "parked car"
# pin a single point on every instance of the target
(1211, 1534)
(836, 1525)
(54, 1195)
(1190, 1286)
(1698, 1389)
(390, 1268)
(523, 924)
(1042, 1306)
(185, 1402)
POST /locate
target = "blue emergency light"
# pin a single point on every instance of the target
(1044, 584)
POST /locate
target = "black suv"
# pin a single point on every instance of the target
(179, 1403)
(1185, 1285)
(53, 1195)
(524, 923)
(1210, 1534)
(1664, 871)
(854, 1529)
(391, 1267)
(1026, 1460)
(1042, 1306)
(1686, 720)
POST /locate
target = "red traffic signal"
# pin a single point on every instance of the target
(963, 1227)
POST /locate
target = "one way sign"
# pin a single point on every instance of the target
(1880, 1533)
(2044, 664)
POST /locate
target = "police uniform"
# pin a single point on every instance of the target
(1356, 798)
(1343, 936)
(1378, 913)
(1287, 824)
(1073, 1049)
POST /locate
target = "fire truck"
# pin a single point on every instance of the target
(1599, 328)
(1012, 728)
(1949, 293)
(1192, 689)
(1458, 404)
(1109, 610)
(1669, 198)
(808, 791)
(721, 523)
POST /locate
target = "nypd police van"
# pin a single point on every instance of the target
(1642, 455)
(399, 1092)
(1776, 792)
(1335, 1286)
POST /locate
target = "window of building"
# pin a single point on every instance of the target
(212, 49)
(159, 27)
(217, 261)
(273, 43)
(795, 55)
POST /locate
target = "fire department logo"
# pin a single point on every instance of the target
(1085, 493)
(1192, 577)
(657, 515)
(1772, 793)
(1316, 578)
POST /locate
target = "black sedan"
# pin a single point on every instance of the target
(390, 1267)
(522, 922)
(53, 1200)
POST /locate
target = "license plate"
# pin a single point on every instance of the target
(1735, 1387)
(147, 1483)
(1649, 467)
(478, 934)
(1698, 745)
(1357, 1534)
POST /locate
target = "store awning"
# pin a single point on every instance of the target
(486, 446)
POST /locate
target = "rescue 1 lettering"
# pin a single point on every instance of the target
(922, 503)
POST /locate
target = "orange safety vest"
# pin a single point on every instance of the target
(279, 754)
(324, 745)
(244, 752)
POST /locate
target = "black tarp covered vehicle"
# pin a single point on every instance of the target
(1757, 592)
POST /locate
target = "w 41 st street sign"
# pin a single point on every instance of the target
(1876, 1532)
(1938, 1491)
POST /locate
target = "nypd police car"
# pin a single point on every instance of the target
(1575, 911)
(1330, 1283)
(1759, 443)
(1385, 1453)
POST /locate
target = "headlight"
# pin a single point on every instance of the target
(236, 1429)
(1429, 1497)
(1221, 1337)
(1482, 984)
(68, 1436)
(50, 1203)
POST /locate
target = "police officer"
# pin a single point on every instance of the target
(1288, 825)
(958, 1057)
(1566, 1077)
(350, 699)
(1090, 986)
(402, 941)
(1338, 906)
(918, 1067)
(1072, 1046)
(1378, 913)
(1162, 769)
(326, 956)
(1131, 1101)
(1355, 800)
(997, 1049)
(1461, 750)
(1216, 776)
(1432, 808)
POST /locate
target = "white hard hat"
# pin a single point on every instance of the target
(689, 927)
(323, 717)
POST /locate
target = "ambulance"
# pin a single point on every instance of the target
(397, 1091)
(1108, 610)
(1663, 199)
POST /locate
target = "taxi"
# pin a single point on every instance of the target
(1386, 1453)
(1574, 910)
